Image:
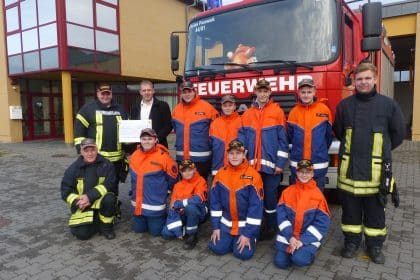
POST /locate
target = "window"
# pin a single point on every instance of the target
(15, 64)
(80, 11)
(78, 36)
(48, 35)
(30, 40)
(107, 42)
(31, 61)
(106, 17)
(13, 44)
(49, 58)
(28, 14)
(46, 11)
(12, 19)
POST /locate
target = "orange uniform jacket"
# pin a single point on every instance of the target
(223, 130)
(191, 122)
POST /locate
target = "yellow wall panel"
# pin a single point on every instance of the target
(10, 130)
(145, 28)
(400, 26)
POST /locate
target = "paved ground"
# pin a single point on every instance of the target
(35, 242)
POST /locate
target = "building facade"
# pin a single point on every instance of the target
(55, 52)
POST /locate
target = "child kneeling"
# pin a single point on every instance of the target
(236, 205)
(188, 205)
(303, 219)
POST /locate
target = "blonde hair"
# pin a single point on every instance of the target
(365, 66)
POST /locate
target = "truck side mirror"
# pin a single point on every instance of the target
(174, 47)
(371, 44)
(174, 65)
(372, 19)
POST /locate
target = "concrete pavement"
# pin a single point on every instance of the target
(35, 242)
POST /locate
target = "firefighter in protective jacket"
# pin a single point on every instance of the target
(303, 219)
(309, 127)
(236, 206)
(99, 120)
(86, 187)
(369, 126)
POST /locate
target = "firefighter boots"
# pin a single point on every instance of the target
(190, 241)
(376, 255)
(349, 251)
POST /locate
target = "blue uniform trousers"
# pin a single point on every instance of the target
(302, 257)
(191, 217)
(150, 224)
(271, 197)
(227, 243)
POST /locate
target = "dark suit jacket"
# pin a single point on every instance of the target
(160, 114)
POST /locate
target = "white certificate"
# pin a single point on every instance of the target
(129, 130)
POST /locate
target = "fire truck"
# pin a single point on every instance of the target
(229, 48)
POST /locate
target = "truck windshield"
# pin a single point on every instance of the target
(259, 36)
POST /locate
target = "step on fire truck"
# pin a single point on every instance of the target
(230, 48)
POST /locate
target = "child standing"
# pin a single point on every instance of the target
(188, 205)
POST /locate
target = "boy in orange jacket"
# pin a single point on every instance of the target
(188, 205)
(303, 219)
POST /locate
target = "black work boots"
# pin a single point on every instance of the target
(190, 241)
(376, 255)
(349, 251)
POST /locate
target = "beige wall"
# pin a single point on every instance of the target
(10, 130)
(145, 28)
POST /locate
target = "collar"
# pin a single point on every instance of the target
(193, 101)
(243, 166)
(194, 178)
(144, 103)
(257, 105)
(309, 185)
(366, 96)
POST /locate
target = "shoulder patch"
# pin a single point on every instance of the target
(246, 177)
(174, 169)
(322, 115)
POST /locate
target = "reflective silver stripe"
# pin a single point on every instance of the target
(284, 225)
(252, 221)
(191, 228)
(214, 172)
(268, 163)
(216, 213)
(322, 165)
(185, 202)
(282, 239)
(153, 207)
(316, 244)
(251, 162)
(194, 154)
(270, 211)
(315, 232)
(228, 223)
(174, 225)
(150, 207)
(282, 154)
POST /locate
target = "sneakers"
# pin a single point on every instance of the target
(349, 251)
(376, 255)
(190, 241)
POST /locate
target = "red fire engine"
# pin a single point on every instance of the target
(231, 47)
